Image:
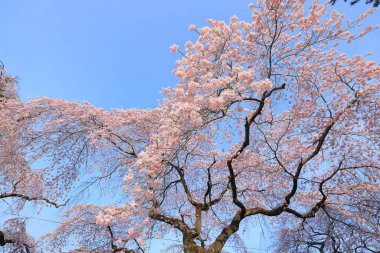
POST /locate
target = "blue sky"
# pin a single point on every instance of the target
(113, 53)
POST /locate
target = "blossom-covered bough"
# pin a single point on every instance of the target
(268, 120)
(19, 183)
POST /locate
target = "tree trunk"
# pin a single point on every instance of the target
(189, 246)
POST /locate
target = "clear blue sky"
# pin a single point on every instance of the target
(113, 53)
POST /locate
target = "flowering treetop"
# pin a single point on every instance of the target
(268, 119)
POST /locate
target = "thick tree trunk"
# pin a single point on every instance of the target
(189, 246)
(221, 240)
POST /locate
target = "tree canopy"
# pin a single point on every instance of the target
(268, 120)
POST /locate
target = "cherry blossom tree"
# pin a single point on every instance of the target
(267, 120)
(16, 238)
(19, 183)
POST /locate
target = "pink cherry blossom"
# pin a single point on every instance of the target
(191, 27)
(174, 48)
